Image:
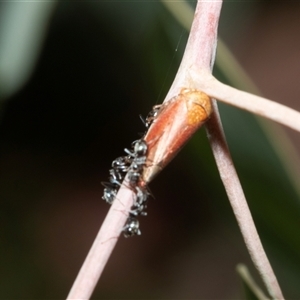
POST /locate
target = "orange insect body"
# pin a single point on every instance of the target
(174, 124)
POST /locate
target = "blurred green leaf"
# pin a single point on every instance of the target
(23, 26)
(251, 289)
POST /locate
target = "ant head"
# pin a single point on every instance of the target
(140, 148)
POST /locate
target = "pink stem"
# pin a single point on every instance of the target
(103, 245)
(197, 62)
(91, 270)
(198, 58)
(255, 104)
(239, 203)
(200, 50)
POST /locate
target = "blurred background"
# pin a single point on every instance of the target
(74, 78)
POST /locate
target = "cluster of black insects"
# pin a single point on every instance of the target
(132, 165)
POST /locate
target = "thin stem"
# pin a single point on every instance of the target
(252, 103)
(226, 61)
(283, 146)
(195, 72)
(239, 203)
(116, 218)
(103, 245)
(199, 53)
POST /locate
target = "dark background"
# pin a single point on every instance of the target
(100, 65)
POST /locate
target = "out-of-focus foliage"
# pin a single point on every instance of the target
(252, 290)
(101, 64)
(23, 27)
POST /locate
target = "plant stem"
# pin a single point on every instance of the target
(252, 103)
(239, 204)
(195, 72)
(103, 245)
(199, 53)
(226, 61)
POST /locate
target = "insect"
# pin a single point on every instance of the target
(141, 202)
(142, 194)
(138, 210)
(115, 177)
(139, 149)
(132, 227)
(111, 187)
(132, 165)
(122, 163)
(138, 156)
(151, 116)
(109, 192)
(120, 167)
(109, 195)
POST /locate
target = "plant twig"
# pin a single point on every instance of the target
(103, 245)
(283, 146)
(225, 60)
(199, 54)
(239, 203)
(252, 103)
(116, 218)
(194, 72)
